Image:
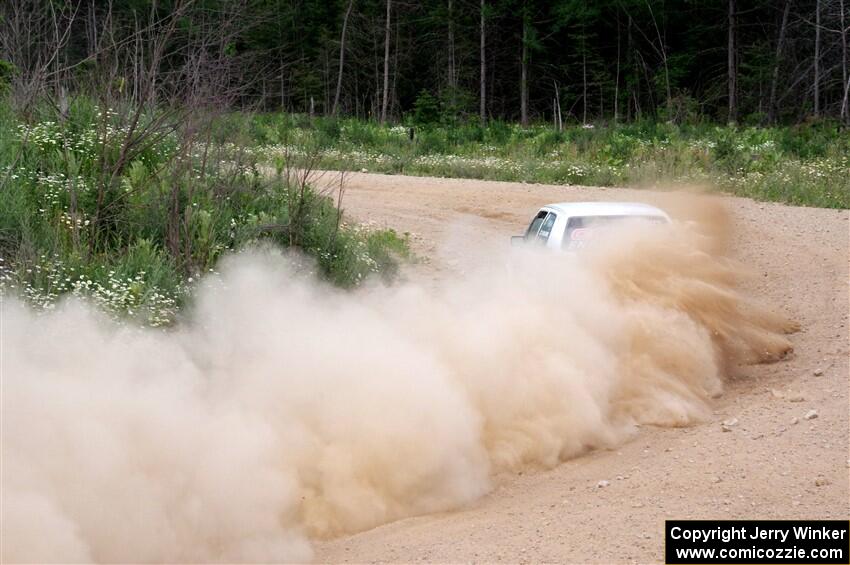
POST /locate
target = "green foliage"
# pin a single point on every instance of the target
(133, 239)
(426, 110)
(7, 71)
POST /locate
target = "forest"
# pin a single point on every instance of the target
(733, 61)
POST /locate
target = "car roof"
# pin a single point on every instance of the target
(606, 209)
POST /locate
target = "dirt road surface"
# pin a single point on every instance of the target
(773, 464)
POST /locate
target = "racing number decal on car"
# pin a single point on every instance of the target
(581, 234)
(579, 238)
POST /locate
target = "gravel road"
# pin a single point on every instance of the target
(774, 463)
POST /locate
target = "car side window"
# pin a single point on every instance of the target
(535, 225)
(546, 228)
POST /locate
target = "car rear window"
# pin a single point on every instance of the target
(582, 229)
(534, 227)
(546, 228)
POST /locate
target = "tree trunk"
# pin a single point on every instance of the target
(385, 98)
(632, 61)
(845, 103)
(774, 81)
(393, 89)
(845, 111)
(732, 75)
(617, 76)
(817, 59)
(341, 57)
(327, 82)
(662, 50)
(282, 89)
(376, 99)
(601, 102)
(556, 108)
(92, 29)
(482, 110)
(451, 58)
(584, 83)
(523, 81)
(281, 65)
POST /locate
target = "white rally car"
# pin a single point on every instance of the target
(571, 225)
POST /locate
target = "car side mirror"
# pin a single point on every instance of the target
(517, 240)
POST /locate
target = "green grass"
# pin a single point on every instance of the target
(802, 165)
(134, 238)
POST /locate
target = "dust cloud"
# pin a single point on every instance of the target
(281, 410)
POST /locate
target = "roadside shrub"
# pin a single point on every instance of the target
(7, 71)
(426, 110)
(809, 140)
(430, 141)
(328, 132)
(133, 237)
(497, 133)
